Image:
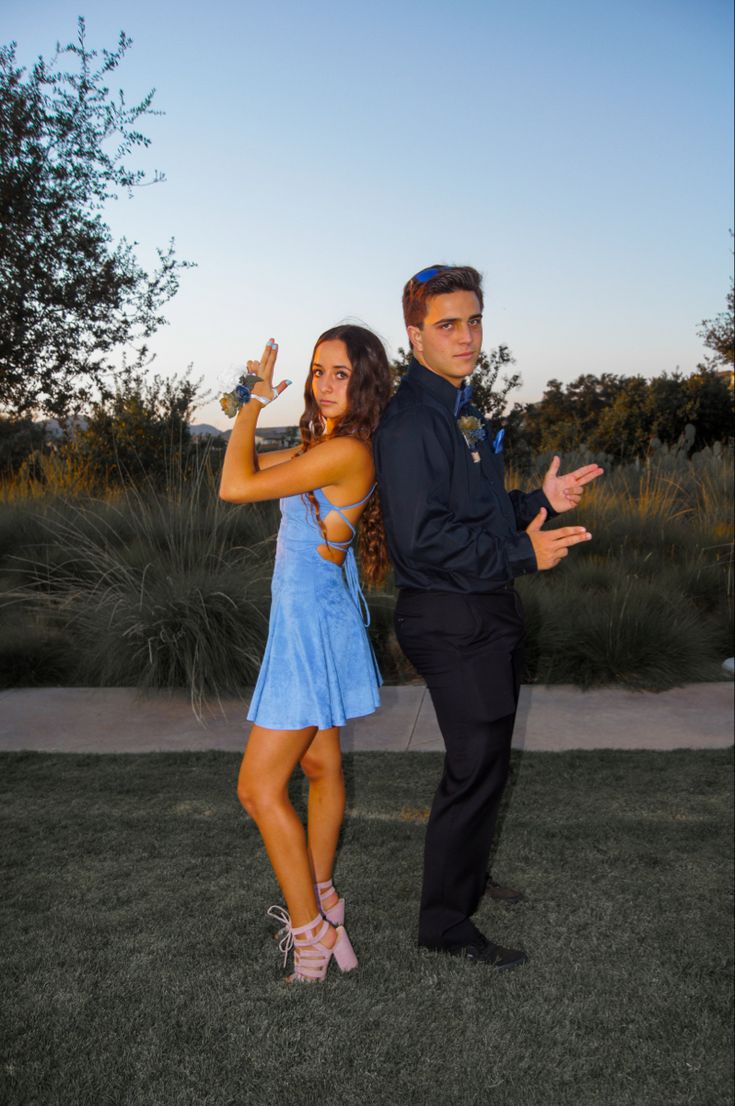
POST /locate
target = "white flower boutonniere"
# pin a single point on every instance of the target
(473, 431)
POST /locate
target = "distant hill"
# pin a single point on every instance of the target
(199, 429)
(274, 437)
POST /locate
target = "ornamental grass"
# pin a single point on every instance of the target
(171, 588)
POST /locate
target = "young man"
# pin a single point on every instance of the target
(457, 540)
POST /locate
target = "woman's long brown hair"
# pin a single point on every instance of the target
(368, 391)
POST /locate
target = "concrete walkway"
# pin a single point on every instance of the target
(122, 720)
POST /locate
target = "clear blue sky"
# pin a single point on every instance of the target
(578, 152)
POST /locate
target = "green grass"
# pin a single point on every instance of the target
(139, 970)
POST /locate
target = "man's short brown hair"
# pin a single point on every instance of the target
(447, 278)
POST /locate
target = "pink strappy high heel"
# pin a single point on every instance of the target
(336, 913)
(311, 957)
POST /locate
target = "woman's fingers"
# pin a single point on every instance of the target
(264, 367)
(270, 353)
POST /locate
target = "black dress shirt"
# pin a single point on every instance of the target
(450, 524)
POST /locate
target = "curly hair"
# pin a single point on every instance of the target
(368, 391)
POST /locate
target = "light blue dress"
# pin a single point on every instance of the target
(318, 668)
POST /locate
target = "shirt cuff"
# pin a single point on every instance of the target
(536, 500)
(521, 557)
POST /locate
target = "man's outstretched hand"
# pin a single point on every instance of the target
(565, 492)
(551, 545)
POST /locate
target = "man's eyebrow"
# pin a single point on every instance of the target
(456, 319)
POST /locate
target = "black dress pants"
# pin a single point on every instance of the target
(468, 649)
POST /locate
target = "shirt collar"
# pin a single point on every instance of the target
(440, 388)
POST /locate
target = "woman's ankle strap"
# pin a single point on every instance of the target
(312, 932)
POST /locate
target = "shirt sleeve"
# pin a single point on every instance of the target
(414, 457)
(526, 505)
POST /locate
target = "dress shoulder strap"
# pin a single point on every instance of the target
(341, 512)
(347, 506)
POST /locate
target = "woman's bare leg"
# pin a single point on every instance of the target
(269, 760)
(322, 766)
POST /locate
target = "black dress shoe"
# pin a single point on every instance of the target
(502, 894)
(482, 951)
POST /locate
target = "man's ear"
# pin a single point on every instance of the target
(415, 337)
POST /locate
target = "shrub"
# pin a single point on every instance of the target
(171, 588)
(631, 633)
(33, 652)
(153, 590)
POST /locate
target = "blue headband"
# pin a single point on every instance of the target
(428, 274)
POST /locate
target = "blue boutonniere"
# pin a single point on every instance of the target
(473, 431)
(498, 441)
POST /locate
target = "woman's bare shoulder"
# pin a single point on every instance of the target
(350, 464)
(347, 449)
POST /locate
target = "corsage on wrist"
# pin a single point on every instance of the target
(242, 393)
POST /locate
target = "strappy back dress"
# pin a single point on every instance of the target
(318, 668)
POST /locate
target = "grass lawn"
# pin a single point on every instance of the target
(139, 970)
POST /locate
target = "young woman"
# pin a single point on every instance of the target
(318, 669)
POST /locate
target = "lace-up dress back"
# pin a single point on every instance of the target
(318, 667)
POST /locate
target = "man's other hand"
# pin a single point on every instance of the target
(551, 545)
(565, 492)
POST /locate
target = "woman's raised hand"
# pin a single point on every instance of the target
(264, 369)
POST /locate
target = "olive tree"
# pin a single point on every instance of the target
(72, 297)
